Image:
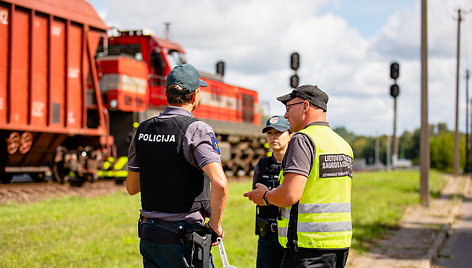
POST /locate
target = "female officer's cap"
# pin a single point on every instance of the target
(278, 123)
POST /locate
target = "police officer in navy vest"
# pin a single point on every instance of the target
(314, 195)
(172, 160)
(266, 171)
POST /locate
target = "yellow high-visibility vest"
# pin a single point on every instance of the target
(324, 210)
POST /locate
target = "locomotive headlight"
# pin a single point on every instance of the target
(113, 103)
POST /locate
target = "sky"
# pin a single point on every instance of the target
(346, 48)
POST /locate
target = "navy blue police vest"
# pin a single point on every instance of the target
(269, 170)
(169, 183)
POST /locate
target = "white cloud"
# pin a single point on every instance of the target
(256, 37)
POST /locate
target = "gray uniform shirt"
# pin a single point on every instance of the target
(199, 150)
(300, 154)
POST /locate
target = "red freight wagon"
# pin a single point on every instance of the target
(47, 51)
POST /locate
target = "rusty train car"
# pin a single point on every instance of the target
(71, 95)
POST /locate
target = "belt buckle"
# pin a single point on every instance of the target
(273, 227)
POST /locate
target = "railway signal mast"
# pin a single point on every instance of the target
(394, 92)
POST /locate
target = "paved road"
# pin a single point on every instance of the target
(457, 249)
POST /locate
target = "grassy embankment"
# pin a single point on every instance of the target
(101, 231)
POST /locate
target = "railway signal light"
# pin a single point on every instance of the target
(294, 81)
(294, 65)
(295, 61)
(220, 68)
(394, 90)
(394, 70)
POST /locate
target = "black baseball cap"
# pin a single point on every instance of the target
(186, 76)
(312, 94)
(278, 123)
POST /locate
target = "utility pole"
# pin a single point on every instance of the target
(377, 147)
(388, 158)
(456, 131)
(424, 135)
(467, 167)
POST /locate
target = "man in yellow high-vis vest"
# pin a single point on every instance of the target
(315, 226)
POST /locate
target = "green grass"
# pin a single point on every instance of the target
(379, 200)
(70, 232)
(101, 231)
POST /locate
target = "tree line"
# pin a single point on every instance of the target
(441, 147)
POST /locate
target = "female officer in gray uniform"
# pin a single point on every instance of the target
(172, 160)
(266, 171)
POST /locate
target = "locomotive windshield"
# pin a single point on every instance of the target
(176, 58)
(133, 50)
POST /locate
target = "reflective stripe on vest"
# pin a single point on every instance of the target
(324, 210)
(318, 208)
(318, 227)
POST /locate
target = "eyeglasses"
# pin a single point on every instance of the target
(287, 106)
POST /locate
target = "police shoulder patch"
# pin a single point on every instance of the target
(214, 142)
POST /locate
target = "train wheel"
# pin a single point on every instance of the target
(26, 140)
(13, 142)
(60, 173)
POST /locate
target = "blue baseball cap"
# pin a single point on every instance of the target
(186, 76)
(276, 122)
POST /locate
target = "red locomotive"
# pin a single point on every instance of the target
(70, 95)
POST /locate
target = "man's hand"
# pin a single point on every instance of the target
(285, 195)
(256, 194)
(215, 233)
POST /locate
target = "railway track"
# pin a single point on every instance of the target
(31, 192)
(27, 192)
